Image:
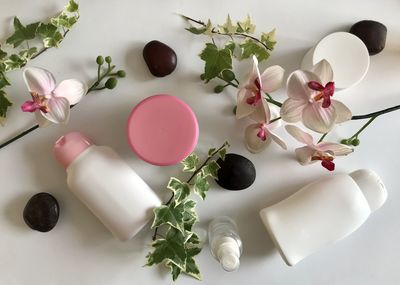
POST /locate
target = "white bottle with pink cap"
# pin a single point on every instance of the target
(114, 193)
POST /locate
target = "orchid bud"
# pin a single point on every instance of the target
(111, 83)
(99, 60)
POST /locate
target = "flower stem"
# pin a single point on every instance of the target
(362, 128)
(274, 120)
(322, 138)
(377, 113)
(188, 181)
(229, 82)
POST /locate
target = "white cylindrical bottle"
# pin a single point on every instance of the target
(225, 243)
(114, 193)
(322, 213)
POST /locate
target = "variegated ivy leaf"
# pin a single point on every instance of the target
(269, 39)
(3, 54)
(28, 53)
(3, 80)
(201, 185)
(22, 33)
(250, 48)
(171, 249)
(216, 60)
(211, 169)
(181, 189)
(222, 153)
(50, 34)
(190, 163)
(228, 27)
(211, 151)
(192, 268)
(64, 21)
(5, 103)
(72, 6)
(246, 26)
(189, 214)
(171, 215)
(14, 62)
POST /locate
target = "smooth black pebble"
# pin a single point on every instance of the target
(41, 212)
(160, 58)
(372, 33)
(236, 172)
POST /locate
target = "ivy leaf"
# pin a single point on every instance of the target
(5, 103)
(196, 31)
(228, 27)
(190, 163)
(72, 6)
(172, 249)
(193, 240)
(201, 186)
(64, 21)
(50, 34)
(181, 189)
(211, 151)
(189, 213)
(175, 270)
(191, 267)
(14, 62)
(3, 81)
(211, 169)
(246, 26)
(171, 215)
(269, 39)
(3, 54)
(28, 53)
(22, 33)
(216, 60)
(251, 48)
(222, 153)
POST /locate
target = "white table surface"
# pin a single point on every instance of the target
(79, 250)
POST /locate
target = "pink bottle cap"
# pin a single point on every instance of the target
(68, 147)
(162, 130)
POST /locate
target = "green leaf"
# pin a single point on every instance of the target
(3, 80)
(171, 249)
(3, 54)
(5, 103)
(14, 62)
(228, 27)
(50, 35)
(222, 153)
(231, 46)
(22, 33)
(190, 163)
(191, 267)
(251, 48)
(175, 270)
(193, 240)
(72, 6)
(189, 213)
(211, 169)
(246, 26)
(181, 189)
(269, 39)
(64, 21)
(171, 215)
(201, 186)
(216, 60)
(196, 31)
(211, 151)
(28, 53)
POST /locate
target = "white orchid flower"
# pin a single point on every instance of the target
(310, 101)
(51, 103)
(250, 95)
(323, 151)
(260, 134)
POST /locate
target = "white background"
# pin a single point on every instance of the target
(79, 250)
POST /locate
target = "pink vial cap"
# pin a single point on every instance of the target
(162, 130)
(68, 147)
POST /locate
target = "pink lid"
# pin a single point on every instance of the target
(162, 130)
(68, 147)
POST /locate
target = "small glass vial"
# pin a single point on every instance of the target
(225, 243)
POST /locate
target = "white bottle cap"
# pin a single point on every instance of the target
(228, 254)
(371, 186)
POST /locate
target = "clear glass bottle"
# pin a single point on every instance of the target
(225, 243)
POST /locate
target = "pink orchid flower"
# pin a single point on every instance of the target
(310, 100)
(250, 95)
(323, 151)
(51, 103)
(260, 134)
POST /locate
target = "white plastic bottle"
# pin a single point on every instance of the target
(225, 243)
(106, 185)
(322, 213)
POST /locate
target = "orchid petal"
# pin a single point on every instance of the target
(58, 110)
(39, 80)
(343, 113)
(278, 140)
(243, 108)
(261, 113)
(253, 143)
(319, 119)
(304, 154)
(337, 148)
(297, 85)
(274, 110)
(73, 90)
(41, 120)
(292, 110)
(272, 78)
(324, 71)
(300, 135)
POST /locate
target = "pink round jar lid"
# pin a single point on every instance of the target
(162, 130)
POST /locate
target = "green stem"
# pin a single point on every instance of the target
(322, 138)
(274, 120)
(272, 101)
(363, 128)
(228, 82)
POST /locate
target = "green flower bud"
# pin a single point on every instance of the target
(121, 73)
(234, 110)
(219, 88)
(100, 60)
(228, 75)
(202, 76)
(345, 141)
(108, 59)
(355, 142)
(111, 83)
